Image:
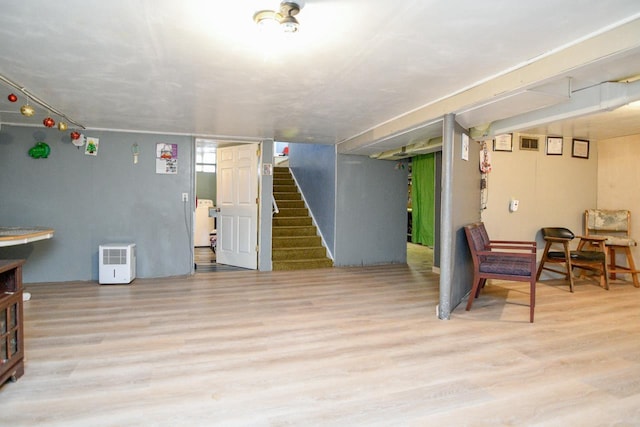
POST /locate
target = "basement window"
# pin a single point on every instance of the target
(206, 159)
(529, 143)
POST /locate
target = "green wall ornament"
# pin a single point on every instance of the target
(40, 151)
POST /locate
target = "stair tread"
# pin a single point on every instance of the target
(297, 237)
(298, 248)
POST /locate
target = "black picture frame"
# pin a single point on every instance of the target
(580, 148)
(554, 145)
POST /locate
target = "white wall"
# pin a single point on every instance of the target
(618, 177)
(553, 191)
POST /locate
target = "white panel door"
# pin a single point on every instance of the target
(237, 193)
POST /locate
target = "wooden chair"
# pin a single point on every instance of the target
(591, 260)
(505, 260)
(615, 225)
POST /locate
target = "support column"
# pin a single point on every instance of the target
(446, 218)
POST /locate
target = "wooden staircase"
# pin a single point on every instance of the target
(296, 243)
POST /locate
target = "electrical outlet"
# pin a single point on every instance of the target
(185, 197)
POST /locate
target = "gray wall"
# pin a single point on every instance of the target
(206, 186)
(460, 206)
(314, 167)
(265, 213)
(371, 211)
(93, 200)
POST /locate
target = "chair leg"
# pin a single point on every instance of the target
(604, 278)
(482, 283)
(475, 290)
(612, 262)
(532, 299)
(567, 257)
(615, 268)
(543, 260)
(632, 267)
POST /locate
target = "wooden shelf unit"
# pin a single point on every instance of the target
(11, 322)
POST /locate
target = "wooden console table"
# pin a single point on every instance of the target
(11, 324)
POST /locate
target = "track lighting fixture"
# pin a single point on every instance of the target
(28, 111)
(285, 17)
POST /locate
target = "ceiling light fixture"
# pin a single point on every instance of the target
(285, 17)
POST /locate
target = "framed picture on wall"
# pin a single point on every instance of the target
(580, 149)
(503, 142)
(554, 146)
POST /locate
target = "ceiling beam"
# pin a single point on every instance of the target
(552, 65)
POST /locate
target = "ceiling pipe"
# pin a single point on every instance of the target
(606, 96)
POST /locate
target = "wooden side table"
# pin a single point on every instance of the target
(11, 323)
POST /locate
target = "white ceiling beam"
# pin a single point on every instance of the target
(555, 64)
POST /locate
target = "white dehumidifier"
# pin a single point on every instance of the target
(117, 263)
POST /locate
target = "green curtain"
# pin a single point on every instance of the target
(423, 199)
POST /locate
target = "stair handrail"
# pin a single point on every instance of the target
(275, 209)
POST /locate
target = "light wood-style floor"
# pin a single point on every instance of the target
(330, 347)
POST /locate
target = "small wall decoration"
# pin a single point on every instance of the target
(49, 122)
(27, 110)
(40, 151)
(91, 149)
(77, 139)
(580, 149)
(465, 147)
(554, 146)
(166, 158)
(503, 142)
(135, 150)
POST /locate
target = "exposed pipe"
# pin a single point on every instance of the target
(603, 97)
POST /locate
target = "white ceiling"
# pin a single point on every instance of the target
(369, 75)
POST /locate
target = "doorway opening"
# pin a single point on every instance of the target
(204, 233)
(423, 207)
(226, 212)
